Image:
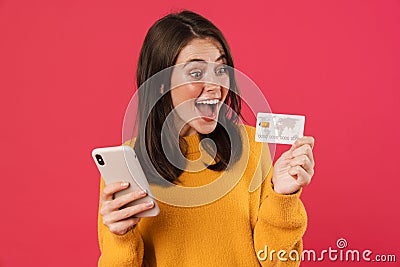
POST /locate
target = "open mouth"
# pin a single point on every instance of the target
(207, 109)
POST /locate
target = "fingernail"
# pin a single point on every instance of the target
(124, 184)
(143, 192)
(150, 204)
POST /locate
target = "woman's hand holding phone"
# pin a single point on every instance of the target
(120, 221)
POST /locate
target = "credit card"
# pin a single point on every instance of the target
(279, 128)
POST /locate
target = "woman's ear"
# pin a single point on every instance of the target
(162, 89)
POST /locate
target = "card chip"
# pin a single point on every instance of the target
(264, 124)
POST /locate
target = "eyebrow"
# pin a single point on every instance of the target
(202, 60)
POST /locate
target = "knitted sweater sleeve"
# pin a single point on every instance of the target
(281, 222)
(119, 250)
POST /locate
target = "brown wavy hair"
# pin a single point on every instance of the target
(161, 47)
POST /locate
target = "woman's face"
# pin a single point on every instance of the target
(199, 85)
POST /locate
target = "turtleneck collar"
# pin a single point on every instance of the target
(193, 142)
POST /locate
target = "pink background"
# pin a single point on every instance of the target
(67, 74)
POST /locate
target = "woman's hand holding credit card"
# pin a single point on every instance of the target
(295, 167)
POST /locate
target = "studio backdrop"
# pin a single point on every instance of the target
(67, 74)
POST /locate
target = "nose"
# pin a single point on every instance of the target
(212, 87)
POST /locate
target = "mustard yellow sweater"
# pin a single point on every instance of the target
(230, 231)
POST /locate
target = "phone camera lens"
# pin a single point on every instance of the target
(99, 159)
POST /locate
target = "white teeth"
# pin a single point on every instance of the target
(209, 102)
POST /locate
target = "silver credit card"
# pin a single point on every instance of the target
(279, 128)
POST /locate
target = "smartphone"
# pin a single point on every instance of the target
(120, 163)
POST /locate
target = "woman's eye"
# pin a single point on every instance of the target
(222, 70)
(196, 74)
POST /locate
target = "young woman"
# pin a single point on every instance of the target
(240, 228)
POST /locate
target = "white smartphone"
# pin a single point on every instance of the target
(120, 163)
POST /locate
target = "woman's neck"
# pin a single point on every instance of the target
(187, 130)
